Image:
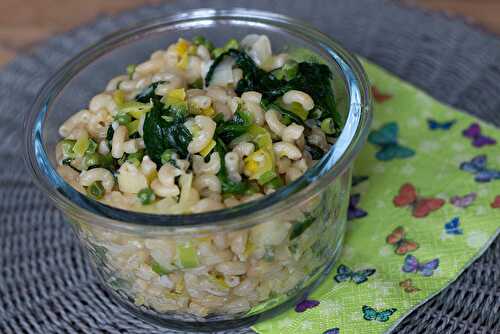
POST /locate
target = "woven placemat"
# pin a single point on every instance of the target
(46, 284)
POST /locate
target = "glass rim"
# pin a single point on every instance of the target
(337, 159)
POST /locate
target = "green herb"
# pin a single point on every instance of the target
(96, 190)
(148, 93)
(146, 196)
(160, 135)
(299, 227)
(228, 186)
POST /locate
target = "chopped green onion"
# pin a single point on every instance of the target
(67, 148)
(198, 84)
(217, 52)
(315, 113)
(81, 145)
(199, 40)
(133, 127)
(96, 190)
(167, 156)
(131, 70)
(275, 183)
(328, 126)
(187, 256)
(146, 196)
(135, 109)
(136, 157)
(122, 160)
(92, 146)
(107, 161)
(123, 118)
(157, 268)
(231, 44)
(267, 177)
(91, 160)
(287, 71)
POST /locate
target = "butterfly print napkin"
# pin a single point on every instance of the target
(425, 202)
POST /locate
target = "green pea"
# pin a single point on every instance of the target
(167, 156)
(328, 126)
(123, 118)
(91, 160)
(146, 196)
(96, 190)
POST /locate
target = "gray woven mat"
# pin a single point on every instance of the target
(46, 285)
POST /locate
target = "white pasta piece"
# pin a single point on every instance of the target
(103, 175)
(300, 97)
(283, 164)
(301, 165)
(174, 83)
(71, 176)
(131, 146)
(250, 198)
(103, 147)
(218, 94)
(318, 138)
(205, 134)
(255, 110)
(275, 62)
(130, 179)
(141, 125)
(103, 101)
(222, 108)
(168, 173)
(164, 191)
(258, 47)
(234, 103)
(237, 75)
(220, 240)
(150, 66)
(117, 143)
(251, 97)
(272, 120)
(289, 150)
(113, 83)
(301, 142)
(244, 149)
(135, 84)
(237, 305)
(203, 52)
(233, 166)
(210, 167)
(207, 182)
(246, 287)
(292, 132)
(77, 120)
(231, 268)
(231, 201)
(201, 101)
(238, 242)
(193, 69)
(148, 167)
(206, 204)
(293, 173)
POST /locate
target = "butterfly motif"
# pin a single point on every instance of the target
(305, 305)
(496, 203)
(435, 125)
(463, 201)
(421, 206)
(353, 211)
(403, 245)
(411, 265)
(478, 140)
(332, 331)
(408, 287)
(379, 96)
(358, 179)
(477, 166)
(387, 139)
(344, 273)
(370, 314)
(452, 227)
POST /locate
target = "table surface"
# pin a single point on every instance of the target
(24, 23)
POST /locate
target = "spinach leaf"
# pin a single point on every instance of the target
(235, 127)
(148, 93)
(312, 78)
(228, 186)
(160, 134)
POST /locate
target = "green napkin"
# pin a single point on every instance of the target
(425, 204)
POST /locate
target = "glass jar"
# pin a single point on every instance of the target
(221, 269)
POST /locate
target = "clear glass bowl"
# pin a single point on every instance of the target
(222, 269)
